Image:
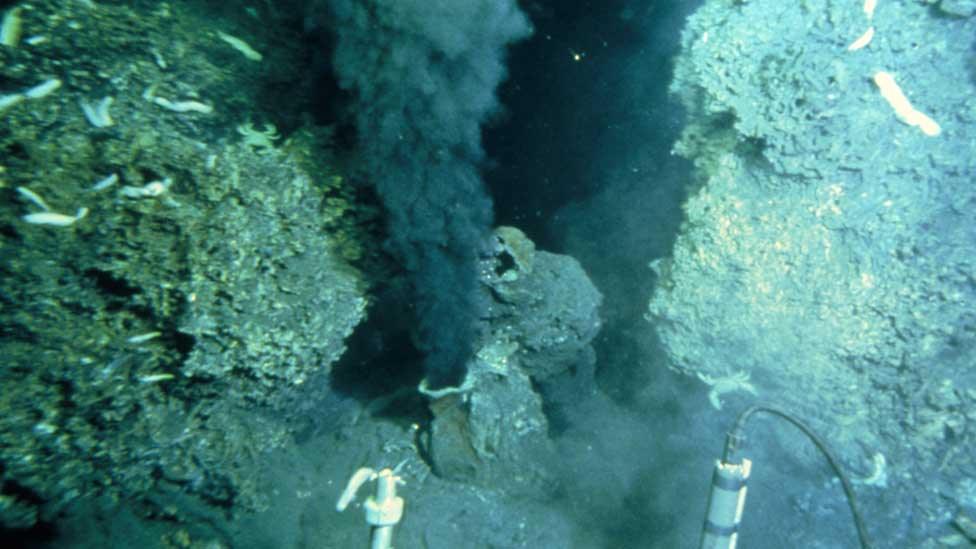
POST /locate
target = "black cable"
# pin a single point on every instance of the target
(736, 437)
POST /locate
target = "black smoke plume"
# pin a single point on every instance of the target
(424, 73)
